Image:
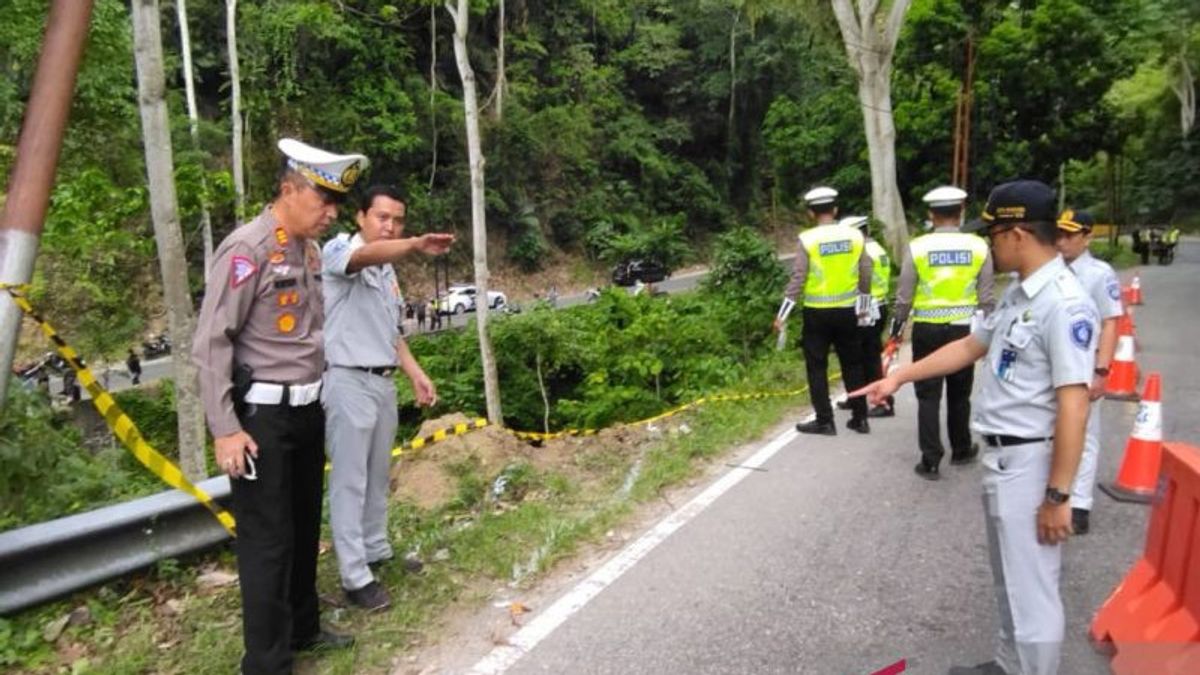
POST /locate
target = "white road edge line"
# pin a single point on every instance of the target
(523, 641)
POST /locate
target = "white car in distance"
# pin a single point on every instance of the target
(461, 298)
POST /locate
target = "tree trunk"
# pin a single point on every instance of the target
(1184, 87)
(874, 93)
(185, 44)
(156, 134)
(433, 93)
(235, 110)
(491, 384)
(870, 44)
(501, 75)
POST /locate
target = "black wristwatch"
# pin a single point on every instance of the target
(1102, 372)
(1055, 497)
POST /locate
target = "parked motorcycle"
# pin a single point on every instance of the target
(158, 345)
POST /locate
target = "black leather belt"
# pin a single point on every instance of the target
(382, 371)
(1000, 440)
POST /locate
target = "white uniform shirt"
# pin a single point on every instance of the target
(1042, 336)
(1100, 282)
(362, 309)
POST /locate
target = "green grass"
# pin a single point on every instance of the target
(485, 544)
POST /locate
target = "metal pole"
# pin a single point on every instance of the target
(37, 160)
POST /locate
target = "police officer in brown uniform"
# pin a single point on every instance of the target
(260, 354)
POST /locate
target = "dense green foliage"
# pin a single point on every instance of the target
(48, 471)
(621, 358)
(626, 125)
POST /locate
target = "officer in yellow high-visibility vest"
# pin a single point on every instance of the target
(834, 271)
(871, 336)
(945, 277)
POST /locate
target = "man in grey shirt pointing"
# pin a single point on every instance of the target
(363, 349)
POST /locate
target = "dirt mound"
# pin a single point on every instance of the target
(425, 477)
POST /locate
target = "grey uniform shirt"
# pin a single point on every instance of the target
(263, 309)
(1100, 282)
(362, 308)
(907, 284)
(1041, 337)
(800, 271)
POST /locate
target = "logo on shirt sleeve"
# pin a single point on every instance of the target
(1081, 333)
(1114, 289)
(241, 269)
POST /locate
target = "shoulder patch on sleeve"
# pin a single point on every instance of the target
(241, 269)
(1113, 286)
(1081, 333)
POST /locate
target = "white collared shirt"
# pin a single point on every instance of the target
(362, 309)
(1042, 336)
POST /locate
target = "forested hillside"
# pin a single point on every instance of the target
(609, 125)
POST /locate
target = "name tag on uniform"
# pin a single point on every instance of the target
(834, 247)
(1005, 366)
(949, 258)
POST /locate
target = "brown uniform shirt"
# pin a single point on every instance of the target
(262, 308)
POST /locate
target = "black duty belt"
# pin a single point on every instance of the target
(382, 371)
(1000, 440)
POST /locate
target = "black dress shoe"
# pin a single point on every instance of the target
(1080, 520)
(965, 457)
(926, 471)
(817, 427)
(843, 404)
(324, 640)
(372, 597)
(989, 668)
(881, 411)
(861, 425)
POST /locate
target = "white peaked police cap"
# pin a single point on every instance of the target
(945, 196)
(820, 195)
(330, 171)
(854, 221)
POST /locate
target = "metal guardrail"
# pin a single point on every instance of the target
(48, 560)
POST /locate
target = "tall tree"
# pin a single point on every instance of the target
(185, 46)
(491, 384)
(235, 108)
(160, 170)
(869, 34)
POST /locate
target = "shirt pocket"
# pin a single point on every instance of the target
(1014, 353)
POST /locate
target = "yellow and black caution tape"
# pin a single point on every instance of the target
(441, 435)
(117, 420)
(460, 429)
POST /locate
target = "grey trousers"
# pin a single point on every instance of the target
(1025, 573)
(1085, 477)
(360, 427)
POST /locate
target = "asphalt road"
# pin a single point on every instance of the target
(836, 559)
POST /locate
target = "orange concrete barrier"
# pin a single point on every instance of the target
(1151, 622)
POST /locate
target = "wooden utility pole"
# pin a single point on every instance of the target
(959, 170)
(37, 160)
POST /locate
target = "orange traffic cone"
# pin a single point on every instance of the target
(1135, 290)
(1123, 372)
(1138, 479)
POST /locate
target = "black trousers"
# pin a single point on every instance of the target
(871, 339)
(278, 525)
(926, 339)
(836, 327)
